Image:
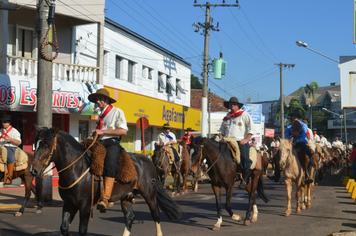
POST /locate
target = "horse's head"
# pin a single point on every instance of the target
(285, 149)
(197, 157)
(45, 145)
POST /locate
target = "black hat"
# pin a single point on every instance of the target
(6, 117)
(296, 113)
(233, 100)
(166, 126)
(321, 133)
(189, 129)
(101, 92)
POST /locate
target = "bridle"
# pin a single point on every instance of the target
(200, 161)
(48, 159)
(161, 159)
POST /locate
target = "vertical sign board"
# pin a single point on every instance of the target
(255, 111)
(355, 21)
(348, 81)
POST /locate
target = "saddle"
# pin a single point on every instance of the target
(235, 151)
(21, 159)
(127, 173)
(171, 154)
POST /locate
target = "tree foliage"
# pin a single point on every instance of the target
(294, 105)
(195, 83)
(309, 89)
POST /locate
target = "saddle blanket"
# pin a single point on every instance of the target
(256, 162)
(21, 157)
(16, 168)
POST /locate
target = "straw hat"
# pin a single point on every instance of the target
(101, 92)
(166, 126)
(233, 100)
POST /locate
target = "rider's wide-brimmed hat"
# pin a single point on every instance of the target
(296, 113)
(101, 92)
(233, 100)
(166, 126)
(305, 122)
(6, 117)
(315, 129)
(189, 129)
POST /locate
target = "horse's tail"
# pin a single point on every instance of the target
(169, 207)
(260, 189)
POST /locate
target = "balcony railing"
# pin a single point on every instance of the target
(27, 67)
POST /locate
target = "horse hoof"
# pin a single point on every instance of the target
(38, 211)
(18, 214)
(297, 211)
(247, 222)
(254, 219)
(236, 217)
(111, 204)
(177, 194)
(308, 206)
(303, 208)
(173, 194)
(215, 228)
(287, 214)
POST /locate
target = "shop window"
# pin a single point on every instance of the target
(83, 130)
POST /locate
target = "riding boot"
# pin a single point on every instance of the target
(10, 172)
(244, 181)
(108, 185)
(309, 178)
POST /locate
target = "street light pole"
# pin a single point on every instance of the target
(305, 45)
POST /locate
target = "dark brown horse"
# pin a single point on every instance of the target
(222, 171)
(162, 160)
(75, 182)
(27, 178)
(184, 167)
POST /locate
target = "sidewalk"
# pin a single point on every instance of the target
(13, 197)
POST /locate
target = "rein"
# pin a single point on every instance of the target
(201, 159)
(160, 166)
(51, 154)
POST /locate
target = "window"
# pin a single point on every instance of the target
(147, 72)
(118, 67)
(130, 71)
(83, 130)
(179, 90)
(106, 62)
(22, 42)
(161, 82)
(170, 88)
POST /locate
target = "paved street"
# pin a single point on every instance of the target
(332, 211)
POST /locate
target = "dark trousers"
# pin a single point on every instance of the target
(245, 157)
(113, 152)
(308, 152)
(176, 156)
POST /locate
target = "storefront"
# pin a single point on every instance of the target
(157, 112)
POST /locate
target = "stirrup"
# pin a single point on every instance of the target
(6, 181)
(102, 205)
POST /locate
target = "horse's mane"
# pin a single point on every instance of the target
(47, 134)
(224, 151)
(71, 140)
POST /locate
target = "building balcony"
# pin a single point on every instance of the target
(27, 67)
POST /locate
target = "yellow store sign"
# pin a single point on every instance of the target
(156, 111)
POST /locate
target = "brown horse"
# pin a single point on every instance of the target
(184, 167)
(79, 190)
(164, 166)
(293, 171)
(222, 172)
(265, 157)
(27, 178)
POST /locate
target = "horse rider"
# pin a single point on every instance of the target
(168, 138)
(324, 144)
(337, 144)
(298, 131)
(264, 147)
(316, 137)
(10, 138)
(189, 138)
(110, 128)
(238, 125)
(310, 132)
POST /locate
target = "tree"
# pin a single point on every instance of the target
(294, 105)
(195, 83)
(310, 101)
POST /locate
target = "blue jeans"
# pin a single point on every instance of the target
(354, 167)
(10, 154)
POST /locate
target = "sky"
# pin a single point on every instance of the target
(253, 38)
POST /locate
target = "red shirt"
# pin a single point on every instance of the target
(185, 137)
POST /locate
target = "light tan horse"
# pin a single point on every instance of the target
(293, 173)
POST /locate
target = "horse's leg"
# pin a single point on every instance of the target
(308, 189)
(150, 197)
(288, 183)
(28, 185)
(68, 214)
(302, 199)
(84, 214)
(297, 197)
(254, 184)
(37, 192)
(229, 192)
(251, 189)
(126, 207)
(217, 192)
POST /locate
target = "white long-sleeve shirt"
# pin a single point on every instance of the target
(238, 128)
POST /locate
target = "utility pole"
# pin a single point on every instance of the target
(44, 79)
(281, 65)
(207, 26)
